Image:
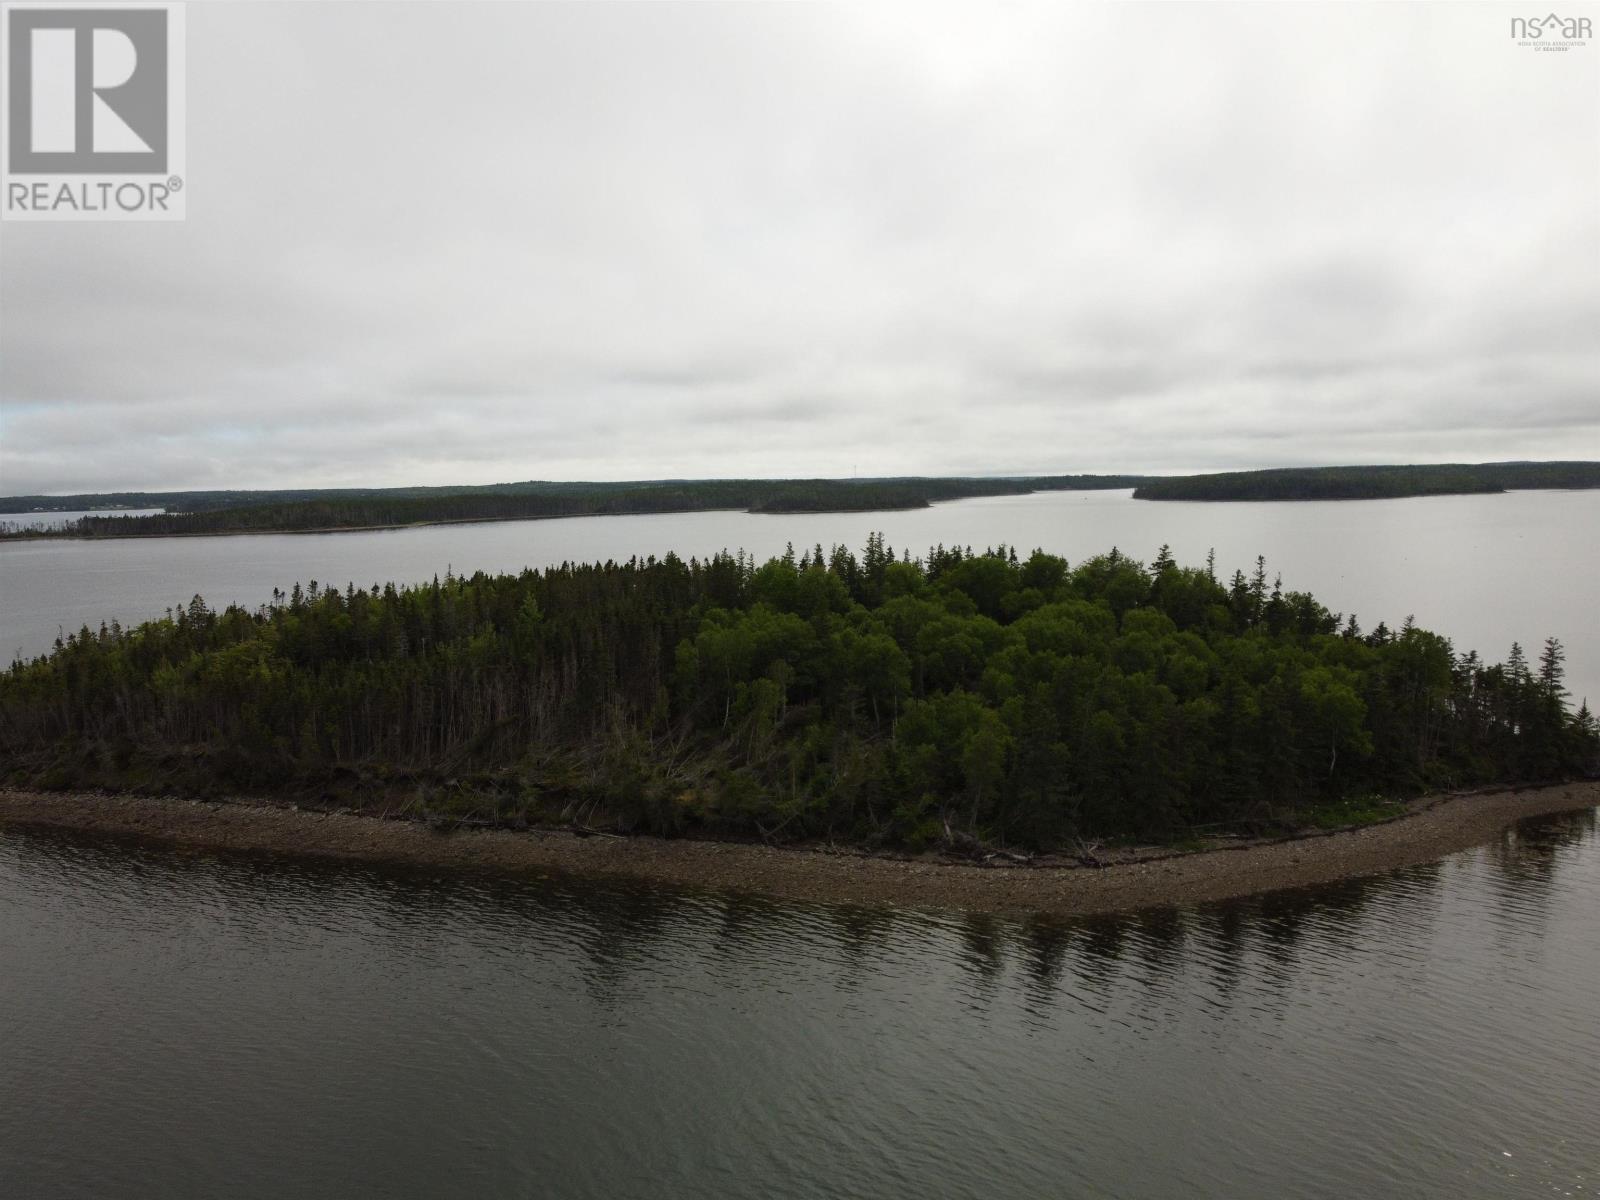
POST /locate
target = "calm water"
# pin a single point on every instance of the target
(197, 1026)
(1483, 570)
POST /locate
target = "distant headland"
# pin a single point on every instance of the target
(329, 510)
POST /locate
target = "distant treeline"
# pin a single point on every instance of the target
(1371, 483)
(360, 508)
(213, 513)
(202, 501)
(958, 698)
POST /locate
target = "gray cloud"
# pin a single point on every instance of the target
(446, 243)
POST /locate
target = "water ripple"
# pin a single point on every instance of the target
(189, 1024)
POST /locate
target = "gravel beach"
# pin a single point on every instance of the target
(1432, 827)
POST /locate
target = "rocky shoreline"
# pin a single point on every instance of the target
(1430, 828)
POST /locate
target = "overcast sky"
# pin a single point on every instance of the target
(440, 243)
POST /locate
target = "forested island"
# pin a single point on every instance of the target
(321, 511)
(1371, 483)
(955, 699)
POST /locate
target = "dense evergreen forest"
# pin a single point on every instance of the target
(1371, 483)
(289, 512)
(875, 698)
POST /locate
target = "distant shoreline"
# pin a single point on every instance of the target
(208, 533)
(1374, 482)
(1505, 491)
(214, 533)
(1431, 828)
(46, 535)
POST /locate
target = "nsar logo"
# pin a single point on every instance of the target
(1551, 32)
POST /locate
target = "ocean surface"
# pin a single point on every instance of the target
(1482, 570)
(181, 1024)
